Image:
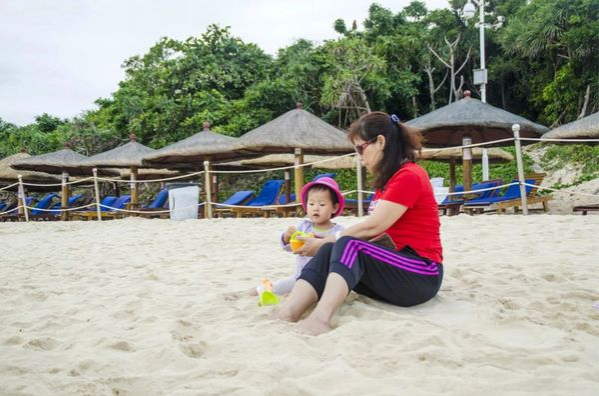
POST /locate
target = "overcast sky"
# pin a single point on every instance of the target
(59, 56)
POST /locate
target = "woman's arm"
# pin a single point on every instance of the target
(382, 217)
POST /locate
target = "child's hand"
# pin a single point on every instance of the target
(288, 233)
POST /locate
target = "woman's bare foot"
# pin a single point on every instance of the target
(283, 313)
(313, 326)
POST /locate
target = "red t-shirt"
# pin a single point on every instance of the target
(419, 227)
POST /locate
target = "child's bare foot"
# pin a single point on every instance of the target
(313, 326)
(234, 296)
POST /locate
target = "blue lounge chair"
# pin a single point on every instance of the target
(331, 175)
(159, 201)
(55, 209)
(512, 192)
(511, 197)
(120, 203)
(43, 203)
(269, 195)
(457, 198)
(239, 198)
(283, 199)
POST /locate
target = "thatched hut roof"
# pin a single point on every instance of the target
(125, 156)
(65, 160)
(297, 129)
(482, 122)
(585, 128)
(149, 174)
(10, 175)
(194, 150)
(444, 155)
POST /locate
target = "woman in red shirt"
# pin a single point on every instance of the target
(403, 207)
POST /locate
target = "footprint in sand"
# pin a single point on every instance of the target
(122, 346)
(44, 344)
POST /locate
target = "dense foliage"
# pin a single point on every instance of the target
(542, 55)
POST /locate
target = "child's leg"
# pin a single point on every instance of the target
(307, 289)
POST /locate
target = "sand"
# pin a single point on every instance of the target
(136, 307)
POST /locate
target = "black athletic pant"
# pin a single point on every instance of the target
(399, 277)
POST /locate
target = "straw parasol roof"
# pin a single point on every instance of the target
(10, 175)
(585, 128)
(297, 129)
(65, 160)
(126, 156)
(482, 122)
(194, 150)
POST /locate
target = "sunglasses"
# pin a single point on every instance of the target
(361, 147)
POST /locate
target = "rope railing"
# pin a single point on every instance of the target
(188, 175)
(209, 205)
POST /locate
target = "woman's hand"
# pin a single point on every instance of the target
(310, 247)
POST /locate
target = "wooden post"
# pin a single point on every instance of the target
(207, 180)
(22, 200)
(299, 172)
(360, 187)
(516, 130)
(97, 192)
(451, 176)
(467, 163)
(134, 187)
(288, 187)
(64, 215)
(215, 187)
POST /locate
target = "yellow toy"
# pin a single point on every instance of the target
(295, 243)
(267, 297)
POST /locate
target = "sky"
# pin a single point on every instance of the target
(59, 56)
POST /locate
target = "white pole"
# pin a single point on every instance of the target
(483, 86)
(485, 161)
(360, 187)
(97, 191)
(208, 190)
(23, 198)
(516, 129)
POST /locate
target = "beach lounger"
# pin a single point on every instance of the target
(238, 198)
(88, 214)
(583, 209)
(451, 205)
(351, 205)
(268, 196)
(157, 207)
(511, 197)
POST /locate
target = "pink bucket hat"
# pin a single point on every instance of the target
(327, 182)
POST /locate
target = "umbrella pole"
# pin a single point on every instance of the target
(207, 181)
(452, 175)
(215, 187)
(288, 186)
(97, 191)
(22, 200)
(467, 163)
(299, 172)
(360, 187)
(134, 187)
(64, 215)
(516, 130)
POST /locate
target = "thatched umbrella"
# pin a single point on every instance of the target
(298, 132)
(190, 153)
(128, 155)
(9, 175)
(65, 161)
(585, 128)
(470, 121)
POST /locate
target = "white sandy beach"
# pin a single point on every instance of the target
(136, 307)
